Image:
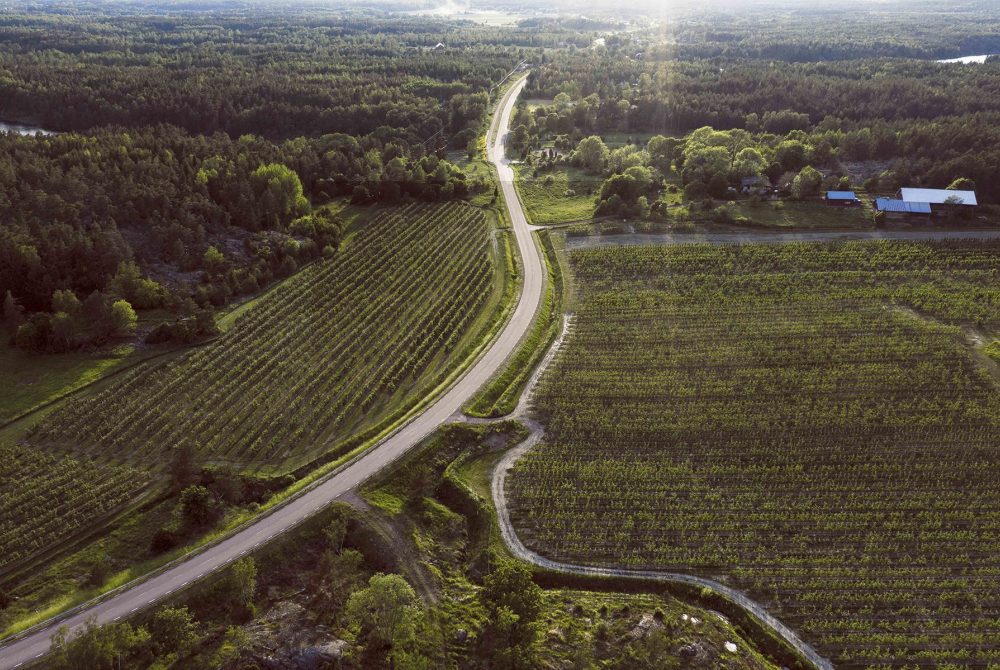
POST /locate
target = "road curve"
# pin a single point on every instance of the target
(330, 489)
(517, 548)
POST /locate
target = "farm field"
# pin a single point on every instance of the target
(812, 424)
(339, 348)
(46, 498)
(34, 380)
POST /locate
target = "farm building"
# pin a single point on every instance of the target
(939, 196)
(755, 185)
(926, 202)
(895, 208)
(842, 199)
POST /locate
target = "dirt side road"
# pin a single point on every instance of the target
(627, 239)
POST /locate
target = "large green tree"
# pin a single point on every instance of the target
(96, 647)
(592, 153)
(513, 603)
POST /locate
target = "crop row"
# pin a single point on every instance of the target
(44, 498)
(810, 423)
(336, 347)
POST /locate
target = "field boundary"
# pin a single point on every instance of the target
(502, 391)
(694, 586)
(479, 347)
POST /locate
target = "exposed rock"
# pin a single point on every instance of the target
(312, 657)
(646, 623)
(692, 653)
(319, 656)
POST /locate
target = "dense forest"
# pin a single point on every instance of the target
(924, 123)
(242, 74)
(817, 31)
(194, 155)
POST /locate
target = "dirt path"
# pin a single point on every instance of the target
(396, 534)
(976, 340)
(751, 237)
(499, 493)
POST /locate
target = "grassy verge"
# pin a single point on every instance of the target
(563, 195)
(791, 214)
(466, 489)
(445, 372)
(35, 380)
(501, 395)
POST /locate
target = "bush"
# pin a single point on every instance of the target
(717, 186)
(98, 572)
(696, 190)
(198, 507)
(163, 541)
(723, 215)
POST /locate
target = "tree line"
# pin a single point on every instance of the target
(788, 31)
(249, 73)
(158, 217)
(928, 123)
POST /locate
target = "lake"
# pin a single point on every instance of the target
(968, 59)
(22, 129)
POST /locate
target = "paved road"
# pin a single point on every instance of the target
(627, 239)
(288, 516)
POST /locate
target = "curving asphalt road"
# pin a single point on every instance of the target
(298, 509)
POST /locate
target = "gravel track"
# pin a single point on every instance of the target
(499, 493)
